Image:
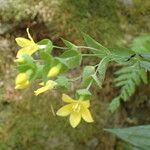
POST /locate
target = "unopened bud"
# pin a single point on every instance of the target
(21, 81)
(54, 71)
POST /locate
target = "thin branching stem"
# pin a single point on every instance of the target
(89, 55)
(63, 48)
(75, 79)
(87, 47)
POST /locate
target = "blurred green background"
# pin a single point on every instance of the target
(26, 121)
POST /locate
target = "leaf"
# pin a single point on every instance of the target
(22, 67)
(143, 74)
(48, 44)
(45, 72)
(87, 75)
(121, 54)
(145, 55)
(69, 44)
(141, 44)
(98, 49)
(138, 136)
(128, 78)
(62, 81)
(37, 72)
(97, 81)
(84, 92)
(130, 147)
(70, 58)
(28, 59)
(102, 67)
(145, 65)
(46, 57)
(115, 103)
(125, 69)
(27, 64)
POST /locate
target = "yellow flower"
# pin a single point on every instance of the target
(48, 86)
(28, 45)
(54, 71)
(19, 60)
(77, 109)
(21, 81)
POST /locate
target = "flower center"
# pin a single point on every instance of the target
(76, 107)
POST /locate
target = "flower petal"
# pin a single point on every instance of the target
(19, 60)
(67, 98)
(42, 84)
(21, 78)
(75, 119)
(86, 115)
(23, 42)
(41, 90)
(65, 110)
(86, 103)
(51, 84)
(29, 50)
(22, 86)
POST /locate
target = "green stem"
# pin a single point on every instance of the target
(88, 55)
(86, 47)
(88, 87)
(63, 48)
(92, 79)
(74, 79)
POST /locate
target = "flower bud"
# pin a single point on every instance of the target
(54, 71)
(21, 81)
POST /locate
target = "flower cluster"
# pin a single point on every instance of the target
(35, 62)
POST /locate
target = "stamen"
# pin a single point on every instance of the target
(76, 107)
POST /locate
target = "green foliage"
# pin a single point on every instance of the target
(128, 78)
(84, 92)
(145, 55)
(115, 103)
(69, 45)
(88, 71)
(135, 64)
(97, 48)
(97, 75)
(101, 69)
(141, 44)
(80, 15)
(63, 82)
(145, 65)
(71, 57)
(138, 136)
(46, 57)
(47, 44)
(121, 55)
(27, 63)
(131, 75)
(129, 147)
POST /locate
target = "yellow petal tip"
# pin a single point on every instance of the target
(36, 93)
